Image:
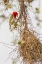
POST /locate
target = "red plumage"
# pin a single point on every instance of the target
(15, 14)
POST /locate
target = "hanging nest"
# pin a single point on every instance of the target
(31, 50)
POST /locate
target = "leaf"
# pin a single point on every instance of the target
(19, 42)
(37, 10)
(22, 42)
(9, 6)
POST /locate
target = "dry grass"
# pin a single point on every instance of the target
(32, 48)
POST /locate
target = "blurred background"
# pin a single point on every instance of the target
(6, 37)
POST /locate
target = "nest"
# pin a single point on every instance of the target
(32, 48)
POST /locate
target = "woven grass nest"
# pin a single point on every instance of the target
(31, 50)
